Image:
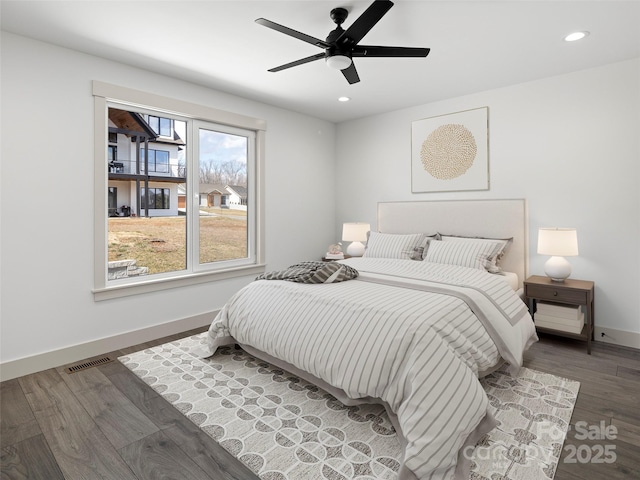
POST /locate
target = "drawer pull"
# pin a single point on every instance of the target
(555, 294)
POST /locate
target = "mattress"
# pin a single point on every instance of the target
(510, 278)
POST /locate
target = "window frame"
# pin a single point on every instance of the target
(155, 160)
(159, 121)
(112, 153)
(104, 93)
(165, 196)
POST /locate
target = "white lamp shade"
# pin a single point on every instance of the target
(558, 242)
(355, 232)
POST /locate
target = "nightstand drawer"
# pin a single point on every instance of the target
(556, 294)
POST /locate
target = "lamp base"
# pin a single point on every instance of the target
(557, 268)
(355, 249)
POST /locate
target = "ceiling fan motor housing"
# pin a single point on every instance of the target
(336, 49)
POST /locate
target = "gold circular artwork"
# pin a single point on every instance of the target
(448, 152)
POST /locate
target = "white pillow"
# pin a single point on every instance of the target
(480, 254)
(390, 245)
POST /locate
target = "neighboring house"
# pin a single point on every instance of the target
(144, 172)
(213, 195)
(237, 197)
(218, 195)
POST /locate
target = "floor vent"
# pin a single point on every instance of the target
(85, 365)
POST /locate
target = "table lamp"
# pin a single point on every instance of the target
(355, 233)
(559, 243)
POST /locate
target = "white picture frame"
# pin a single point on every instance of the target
(451, 152)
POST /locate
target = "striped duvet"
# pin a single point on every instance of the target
(416, 335)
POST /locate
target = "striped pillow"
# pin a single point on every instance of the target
(505, 242)
(390, 245)
(479, 255)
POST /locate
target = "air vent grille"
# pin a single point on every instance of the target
(85, 365)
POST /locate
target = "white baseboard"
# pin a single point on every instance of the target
(617, 337)
(56, 358)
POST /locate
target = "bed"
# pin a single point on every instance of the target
(433, 308)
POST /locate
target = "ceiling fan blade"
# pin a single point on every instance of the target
(364, 23)
(351, 74)
(292, 33)
(302, 61)
(376, 51)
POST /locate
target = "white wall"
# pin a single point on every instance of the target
(569, 144)
(579, 130)
(47, 199)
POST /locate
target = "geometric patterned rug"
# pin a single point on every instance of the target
(284, 428)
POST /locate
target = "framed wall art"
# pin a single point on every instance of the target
(451, 152)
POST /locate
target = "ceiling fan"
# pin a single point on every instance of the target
(341, 46)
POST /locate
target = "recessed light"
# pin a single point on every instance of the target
(572, 37)
(343, 99)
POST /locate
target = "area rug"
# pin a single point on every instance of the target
(284, 428)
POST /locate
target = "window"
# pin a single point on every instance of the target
(158, 198)
(155, 232)
(158, 160)
(112, 201)
(160, 125)
(112, 153)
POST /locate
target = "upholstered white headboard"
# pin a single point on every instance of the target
(481, 218)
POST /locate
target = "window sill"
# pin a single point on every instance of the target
(155, 285)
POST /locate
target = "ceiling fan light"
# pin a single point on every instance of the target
(339, 62)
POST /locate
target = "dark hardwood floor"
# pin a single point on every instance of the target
(105, 423)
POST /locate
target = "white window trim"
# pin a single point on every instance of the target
(103, 93)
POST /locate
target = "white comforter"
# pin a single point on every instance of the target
(393, 334)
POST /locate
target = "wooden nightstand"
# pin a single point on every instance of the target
(325, 259)
(569, 292)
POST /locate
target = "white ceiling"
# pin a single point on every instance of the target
(475, 45)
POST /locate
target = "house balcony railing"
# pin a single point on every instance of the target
(128, 167)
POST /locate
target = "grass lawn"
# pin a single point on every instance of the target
(159, 243)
